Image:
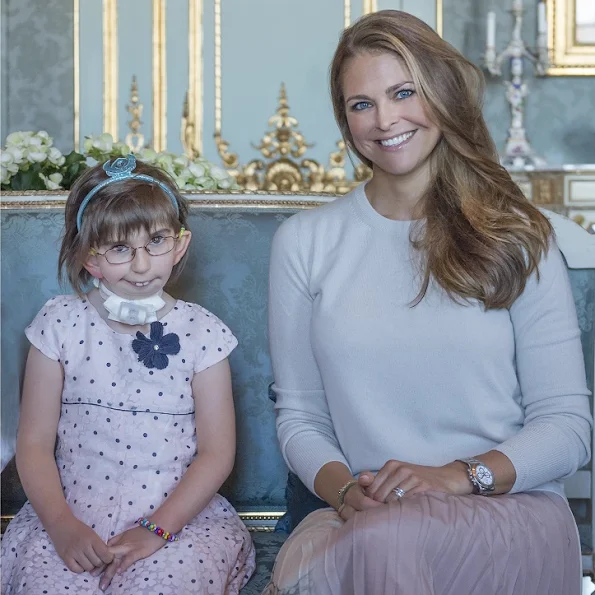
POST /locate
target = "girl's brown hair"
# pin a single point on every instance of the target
(116, 211)
(482, 238)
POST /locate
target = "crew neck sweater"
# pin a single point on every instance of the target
(362, 376)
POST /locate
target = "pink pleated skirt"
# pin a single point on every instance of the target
(436, 544)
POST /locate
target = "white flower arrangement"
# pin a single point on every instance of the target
(30, 162)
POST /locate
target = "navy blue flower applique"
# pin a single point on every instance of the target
(153, 350)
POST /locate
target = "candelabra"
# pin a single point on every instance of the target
(518, 153)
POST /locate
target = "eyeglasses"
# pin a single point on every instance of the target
(156, 246)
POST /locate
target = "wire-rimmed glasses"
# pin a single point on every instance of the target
(122, 253)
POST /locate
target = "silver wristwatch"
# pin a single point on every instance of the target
(480, 475)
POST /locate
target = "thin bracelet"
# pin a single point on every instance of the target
(343, 491)
(147, 524)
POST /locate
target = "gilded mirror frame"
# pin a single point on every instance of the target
(567, 56)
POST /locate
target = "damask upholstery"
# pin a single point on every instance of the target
(227, 272)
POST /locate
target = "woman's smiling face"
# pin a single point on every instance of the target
(385, 114)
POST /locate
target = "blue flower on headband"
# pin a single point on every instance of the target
(153, 350)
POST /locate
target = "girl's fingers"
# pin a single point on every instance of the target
(119, 551)
(127, 561)
(73, 565)
(108, 575)
(93, 557)
(98, 570)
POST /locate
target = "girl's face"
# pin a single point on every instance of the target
(144, 275)
(385, 115)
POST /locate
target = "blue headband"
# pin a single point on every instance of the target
(118, 170)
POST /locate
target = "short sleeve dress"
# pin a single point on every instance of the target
(125, 437)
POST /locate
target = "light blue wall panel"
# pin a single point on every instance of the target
(135, 57)
(287, 41)
(257, 41)
(91, 70)
(176, 25)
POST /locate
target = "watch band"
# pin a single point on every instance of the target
(343, 491)
(478, 487)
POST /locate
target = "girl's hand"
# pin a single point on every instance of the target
(356, 500)
(79, 546)
(127, 548)
(414, 479)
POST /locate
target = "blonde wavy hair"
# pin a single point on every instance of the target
(482, 238)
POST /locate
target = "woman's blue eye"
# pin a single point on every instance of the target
(157, 240)
(404, 93)
(360, 105)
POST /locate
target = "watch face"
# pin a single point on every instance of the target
(484, 475)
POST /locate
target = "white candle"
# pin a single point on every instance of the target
(491, 41)
(517, 5)
(541, 18)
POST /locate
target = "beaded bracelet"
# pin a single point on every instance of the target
(147, 524)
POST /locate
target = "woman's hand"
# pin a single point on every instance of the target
(79, 546)
(127, 548)
(356, 500)
(414, 479)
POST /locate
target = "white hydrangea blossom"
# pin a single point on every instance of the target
(25, 149)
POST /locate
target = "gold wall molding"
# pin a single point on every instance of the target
(110, 67)
(369, 6)
(567, 56)
(439, 17)
(159, 77)
(192, 125)
(229, 159)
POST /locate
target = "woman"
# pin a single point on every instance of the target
(428, 370)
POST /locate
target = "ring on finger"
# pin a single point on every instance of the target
(399, 492)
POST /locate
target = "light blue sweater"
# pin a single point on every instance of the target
(361, 377)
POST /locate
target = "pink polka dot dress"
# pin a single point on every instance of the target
(125, 438)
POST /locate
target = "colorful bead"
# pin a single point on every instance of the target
(157, 530)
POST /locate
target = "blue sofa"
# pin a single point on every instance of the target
(227, 272)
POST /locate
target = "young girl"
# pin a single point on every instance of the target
(136, 387)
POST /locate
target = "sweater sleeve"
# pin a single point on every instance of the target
(304, 425)
(555, 439)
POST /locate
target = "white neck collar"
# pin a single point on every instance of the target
(127, 311)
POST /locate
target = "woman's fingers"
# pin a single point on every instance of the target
(405, 488)
(357, 499)
(379, 481)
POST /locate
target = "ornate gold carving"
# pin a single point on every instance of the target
(187, 132)
(135, 139)
(280, 171)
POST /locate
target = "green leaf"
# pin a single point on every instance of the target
(73, 157)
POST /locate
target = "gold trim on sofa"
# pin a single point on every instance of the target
(255, 521)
